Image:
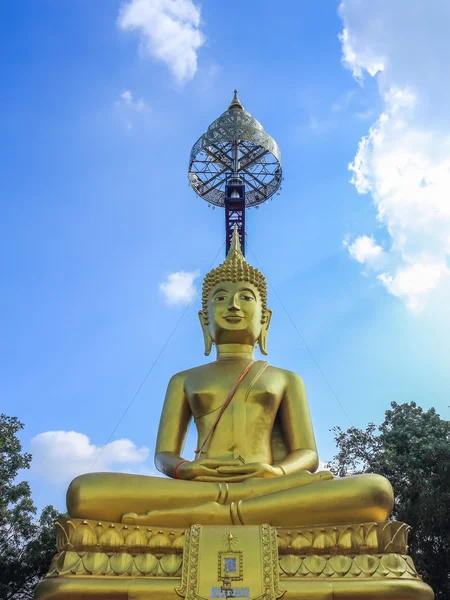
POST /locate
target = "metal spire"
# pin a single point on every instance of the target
(236, 103)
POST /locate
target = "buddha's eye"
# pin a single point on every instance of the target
(220, 298)
(246, 297)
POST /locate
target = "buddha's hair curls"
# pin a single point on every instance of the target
(234, 268)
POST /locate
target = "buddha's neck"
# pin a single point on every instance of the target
(234, 351)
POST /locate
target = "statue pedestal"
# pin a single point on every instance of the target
(98, 560)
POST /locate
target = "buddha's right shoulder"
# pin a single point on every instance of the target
(183, 376)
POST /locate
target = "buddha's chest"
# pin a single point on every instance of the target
(207, 395)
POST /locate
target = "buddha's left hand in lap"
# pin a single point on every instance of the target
(264, 470)
(240, 473)
(255, 469)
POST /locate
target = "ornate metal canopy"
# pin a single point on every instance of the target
(235, 145)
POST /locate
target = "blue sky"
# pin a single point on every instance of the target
(101, 104)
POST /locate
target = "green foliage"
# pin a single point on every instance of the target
(411, 448)
(26, 545)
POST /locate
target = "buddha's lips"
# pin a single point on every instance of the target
(233, 318)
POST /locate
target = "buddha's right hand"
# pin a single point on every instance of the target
(205, 467)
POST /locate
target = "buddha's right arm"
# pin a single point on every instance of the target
(173, 426)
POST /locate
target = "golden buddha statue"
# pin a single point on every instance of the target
(259, 460)
(250, 517)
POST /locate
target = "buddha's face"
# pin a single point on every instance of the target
(235, 314)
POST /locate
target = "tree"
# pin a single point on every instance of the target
(27, 545)
(411, 448)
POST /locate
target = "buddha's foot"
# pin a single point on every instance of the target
(209, 513)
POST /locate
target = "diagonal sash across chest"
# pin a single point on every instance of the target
(242, 387)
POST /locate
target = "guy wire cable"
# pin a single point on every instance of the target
(153, 364)
(300, 336)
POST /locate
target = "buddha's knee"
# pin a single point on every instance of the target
(379, 495)
(76, 495)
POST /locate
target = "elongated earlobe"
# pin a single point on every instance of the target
(206, 337)
(262, 341)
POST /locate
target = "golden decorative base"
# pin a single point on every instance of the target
(98, 560)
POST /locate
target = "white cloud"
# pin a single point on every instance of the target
(178, 288)
(343, 101)
(321, 126)
(59, 456)
(131, 108)
(127, 97)
(169, 32)
(366, 251)
(404, 160)
(137, 104)
(366, 114)
(414, 283)
(358, 59)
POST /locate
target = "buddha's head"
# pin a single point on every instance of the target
(234, 303)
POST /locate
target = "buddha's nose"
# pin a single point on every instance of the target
(234, 302)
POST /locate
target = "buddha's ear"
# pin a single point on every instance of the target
(262, 341)
(207, 338)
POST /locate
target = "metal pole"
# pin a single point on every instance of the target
(235, 155)
(235, 201)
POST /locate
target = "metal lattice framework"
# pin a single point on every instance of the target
(211, 164)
